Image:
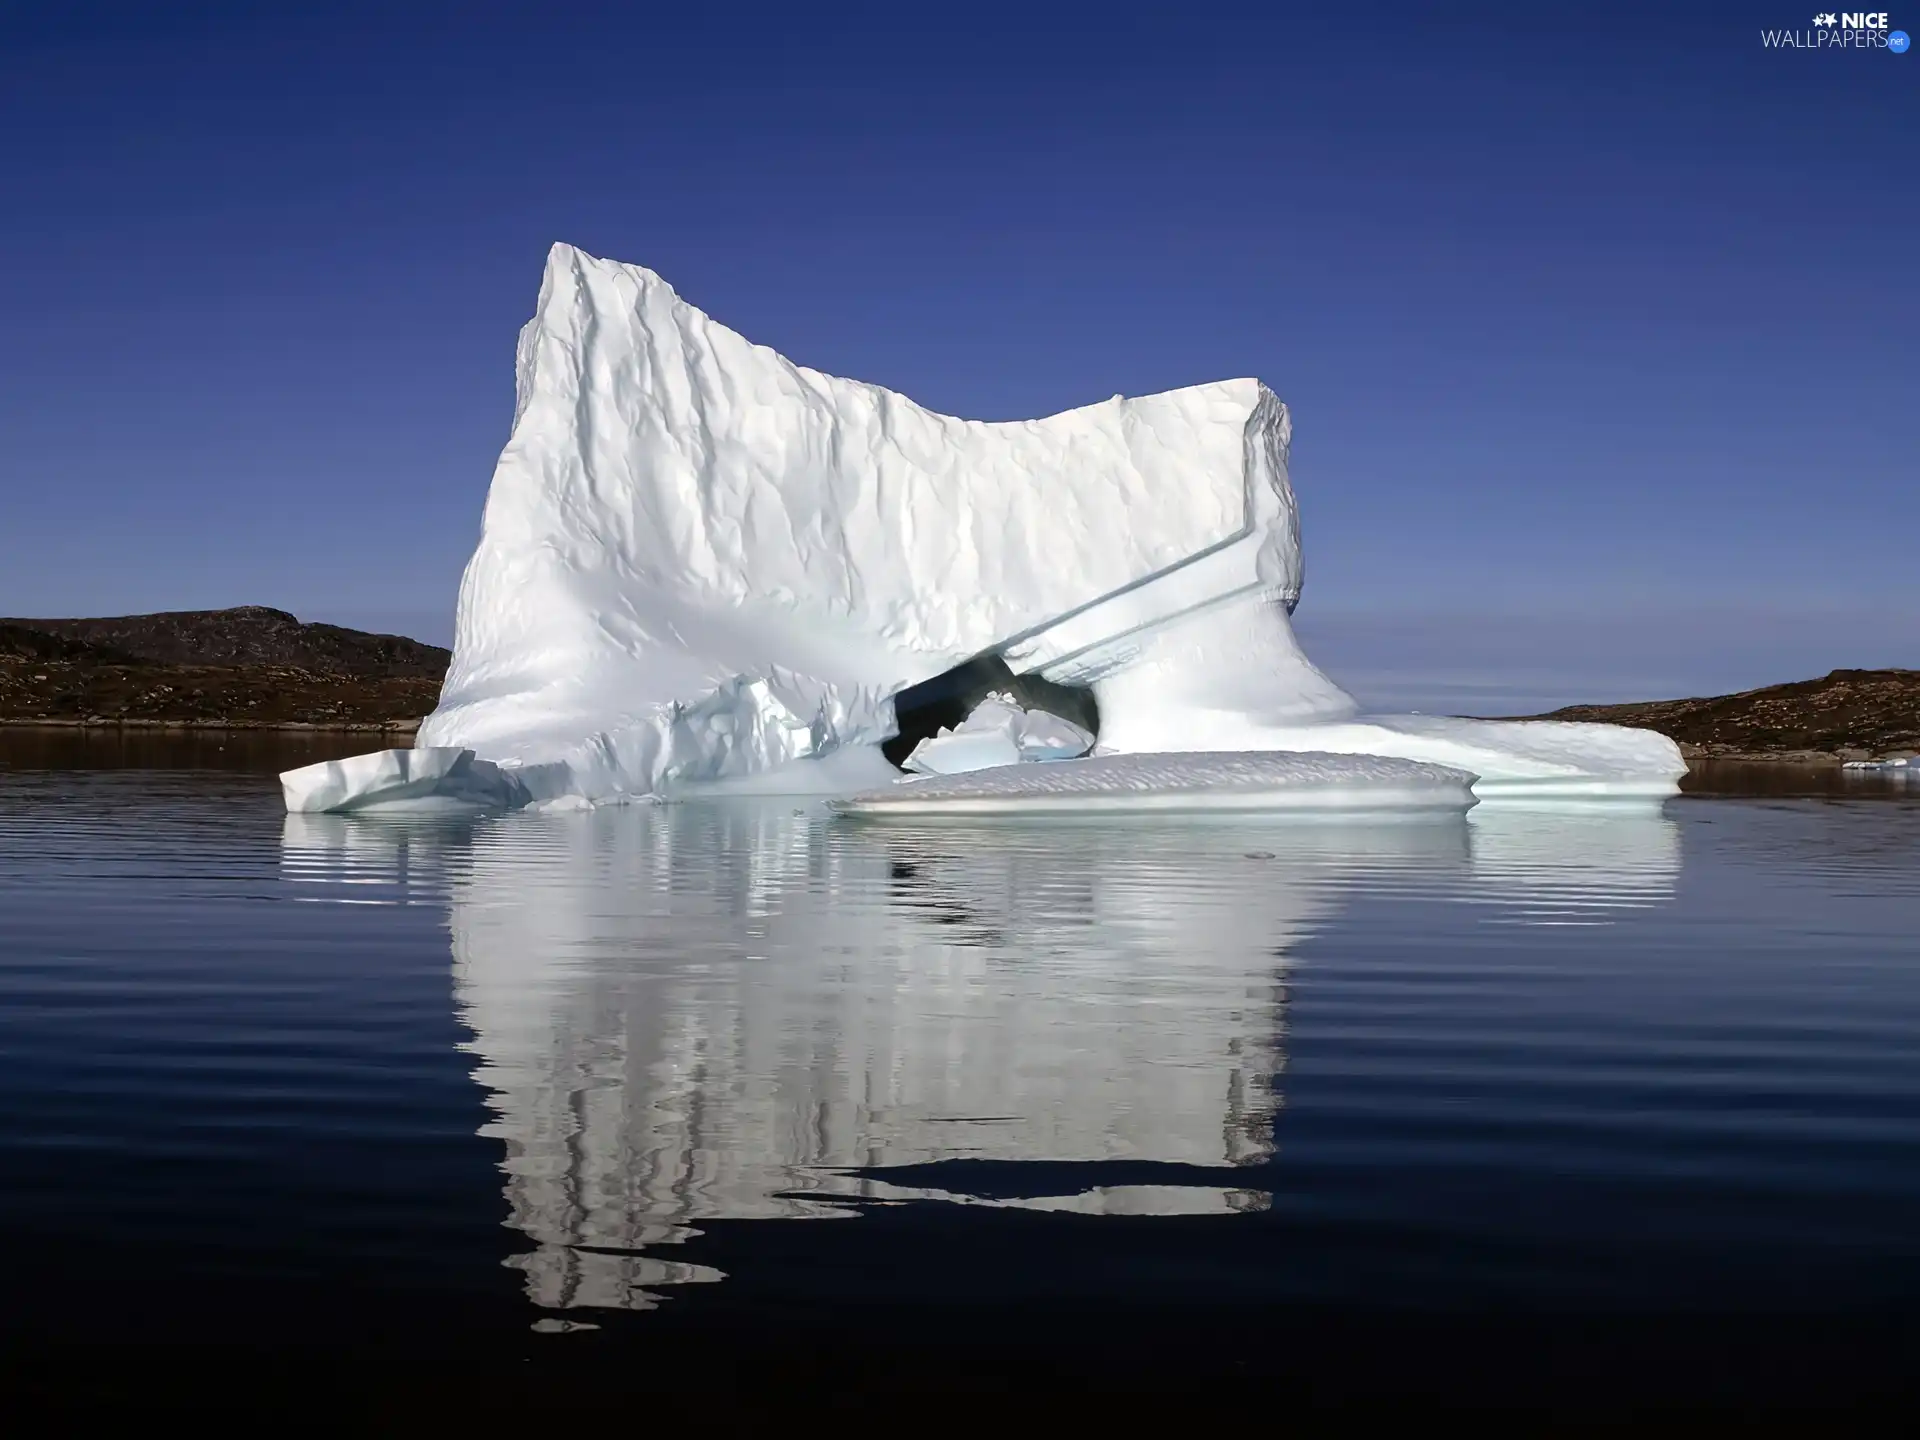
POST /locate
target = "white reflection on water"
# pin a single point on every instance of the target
(1568, 866)
(708, 1011)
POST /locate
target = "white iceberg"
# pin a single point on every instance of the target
(998, 731)
(703, 565)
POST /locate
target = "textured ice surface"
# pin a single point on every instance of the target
(421, 777)
(703, 565)
(998, 732)
(1192, 781)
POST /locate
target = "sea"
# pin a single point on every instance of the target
(1584, 1104)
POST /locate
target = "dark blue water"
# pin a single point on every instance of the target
(689, 1080)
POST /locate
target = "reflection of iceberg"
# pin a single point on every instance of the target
(702, 562)
(1575, 864)
(731, 1010)
(384, 858)
(717, 1011)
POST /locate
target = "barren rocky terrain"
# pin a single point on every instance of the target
(243, 668)
(1843, 715)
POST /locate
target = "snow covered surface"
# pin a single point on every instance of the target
(998, 731)
(705, 567)
(1198, 781)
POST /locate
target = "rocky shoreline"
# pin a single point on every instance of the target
(1841, 716)
(163, 727)
(245, 669)
(256, 669)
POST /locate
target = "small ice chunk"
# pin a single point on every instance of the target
(998, 732)
(1239, 780)
(953, 751)
(1045, 736)
(989, 736)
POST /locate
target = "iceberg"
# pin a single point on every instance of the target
(704, 567)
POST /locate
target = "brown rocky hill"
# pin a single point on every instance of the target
(1851, 714)
(17, 642)
(248, 668)
(248, 635)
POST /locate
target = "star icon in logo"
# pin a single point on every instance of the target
(1826, 18)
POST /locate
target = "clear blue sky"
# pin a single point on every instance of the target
(1600, 327)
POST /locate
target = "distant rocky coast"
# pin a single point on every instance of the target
(253, 668)
(1843, 715)
(248, 668)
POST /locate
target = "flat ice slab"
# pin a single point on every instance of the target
(435, 776)
(1305, 782)
(1513, 759)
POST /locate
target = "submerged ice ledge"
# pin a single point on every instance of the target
(1344, 784)
(705, 569)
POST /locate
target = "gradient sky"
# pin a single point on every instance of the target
(1599, 326)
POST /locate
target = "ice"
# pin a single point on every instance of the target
(846, 771)
(702, 566)
(956, 751)
(425, 777)
(998, 731)
(1044, 736)
(1241, 780)
(1202, 683)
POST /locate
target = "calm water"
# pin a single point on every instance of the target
(694, 1073)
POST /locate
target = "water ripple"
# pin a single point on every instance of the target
(1691, 1026)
